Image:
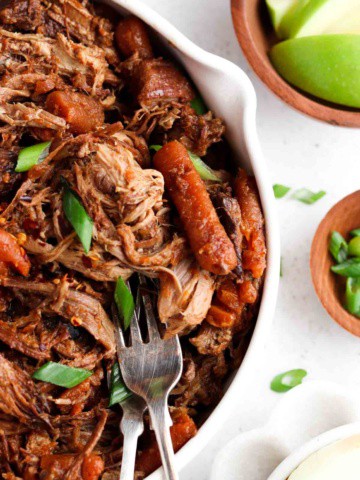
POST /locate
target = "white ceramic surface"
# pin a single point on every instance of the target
(228, 92)
(307, 418)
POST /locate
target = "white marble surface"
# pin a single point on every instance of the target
(301, 152)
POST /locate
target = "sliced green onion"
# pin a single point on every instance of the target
(338, 247)
(280, 190)
(352, 296)
(205, 172)
(79, 219)
(155, 148)
(198, 105)
(124, 302)
(354, 247)
(61, 375)
(287, 380)
(355, 233)
(30, 156)
(349, 268)
(307, 196)
(118, 390)
(281, 267)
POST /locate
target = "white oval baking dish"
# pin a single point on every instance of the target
(229, 93)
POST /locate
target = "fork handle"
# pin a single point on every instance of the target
(131, 430)
(160, 420)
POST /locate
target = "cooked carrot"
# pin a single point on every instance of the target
(11, 253)
(228, 295)
(207, 237)
(252, 225)
(247, 292)
(55, 466)
(81, 112)
(78, 396)
(132, 37)
(92, 467)
(221, 317)
(182, 430)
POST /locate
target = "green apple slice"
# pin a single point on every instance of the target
(315, 17)
(278, 9)
(326, 66)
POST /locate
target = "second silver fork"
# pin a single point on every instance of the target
(151, 370)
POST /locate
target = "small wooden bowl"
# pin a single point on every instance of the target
(256, 37)
(330, 288)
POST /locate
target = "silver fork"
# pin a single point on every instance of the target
(151, 370)
(132, 424)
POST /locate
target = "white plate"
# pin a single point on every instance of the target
(306, 419)
(229, 93)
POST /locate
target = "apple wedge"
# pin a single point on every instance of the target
(326, 66)
(316, 17)
(278, 9)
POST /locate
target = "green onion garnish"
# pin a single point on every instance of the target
(355, 233)
(124, 302)
(205, 172)
(281, 267)
(30, 156)
(118, 389)
(349, 268)
(61, 375)
(287, 380)
(307, 196)
(156, 148)
(198, 105)
(79, 219)
(280, 190)
(352, 296)
(338, 247)
(354, 247)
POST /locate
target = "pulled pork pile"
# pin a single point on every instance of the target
(91, 84)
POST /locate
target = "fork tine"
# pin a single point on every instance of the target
(134, 325)
(119, 337)
(151, 322)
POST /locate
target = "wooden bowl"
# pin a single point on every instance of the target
(256, 37)
(330, 288)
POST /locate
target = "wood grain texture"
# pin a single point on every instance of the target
(330, 288)
(256, 37)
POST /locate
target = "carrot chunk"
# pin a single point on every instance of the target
(11, 253)
(228, 295)
(54, 467)
(247, 292)
(219, 316)
(92, 467)
(132, 37)
(207, 237)
(182, 430)
(82, 113)
(252, 225)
